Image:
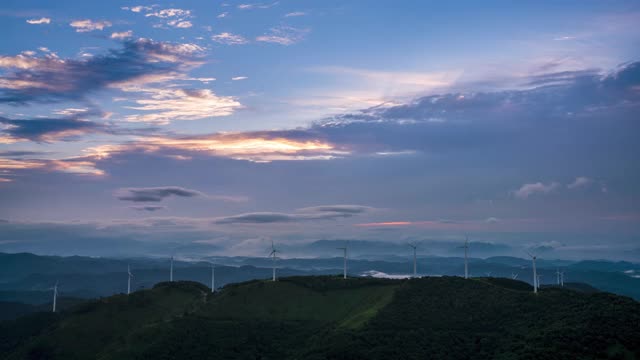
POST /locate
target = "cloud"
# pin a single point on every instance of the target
(48, 78)
(40, 21)
(295, 13)
(139, 8)
(169, 104)
(222, 15)
(48, 129)
(527, 190)
(253, 146)
(155, 194)
(236, 78)
(326, 212)
(257, 218)
(257, 6)
(79, 166)
(168, 13)
(346, 210)
(176, 18)
(122, 34)
(229, 39)
(283, 35)
(580, 181)
(148, 208)
(180, 24)
(89, 25)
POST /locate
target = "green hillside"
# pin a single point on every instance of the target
(331, 318)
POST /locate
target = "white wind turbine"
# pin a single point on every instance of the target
(514, 276)
(171, 270)
(414, 246)
(558, 277)
(344, 275)
(562, 278)
(130, 275)
(273, 254)
(213, 277)
(539, 277)
(55, 295)
(466, 257)
(535, 274)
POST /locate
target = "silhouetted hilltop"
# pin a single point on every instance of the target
(326, 317)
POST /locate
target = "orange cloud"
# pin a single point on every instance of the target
(251, 147)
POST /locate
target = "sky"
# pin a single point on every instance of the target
(140, 128)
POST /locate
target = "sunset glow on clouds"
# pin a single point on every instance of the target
(514, 126)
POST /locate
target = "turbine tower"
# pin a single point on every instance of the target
(466, 258)
(558, 276)
(171, 270)
(213, 277)
(535, 274)
(273, 254)
(562, 278)
(55, 296)
(539, 277)
(130, 275)
(344, 275)
(415, 267)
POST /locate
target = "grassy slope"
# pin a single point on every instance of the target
(349, 303)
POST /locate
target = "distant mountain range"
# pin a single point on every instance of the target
(27, 278)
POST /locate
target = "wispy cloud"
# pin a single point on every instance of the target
(40, 21)
(526, 190)
(295, 13)
(155, 194)
(168, 13)
(172, 17)
(139, 8)
(327, 212)
(122, 34)
(283, 35)
(229, 39)
(580, 181)
(166, 105)
(257, 6)
(89, 25)
(148, 208)
(252, 146)
(31, 78)
(236, 78)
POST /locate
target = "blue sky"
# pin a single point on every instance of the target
(232, 123)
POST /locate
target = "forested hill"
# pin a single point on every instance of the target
(325, 317)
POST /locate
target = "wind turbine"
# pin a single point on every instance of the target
(539, 277)
(171, 270)
(213, 277)
(344, 275)
(514, 276)
(130, 275)
(558, 276)
(415, 268)
(273, 254)
(562, 278)
(466, 258)
(535, 274)
(55, 296)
